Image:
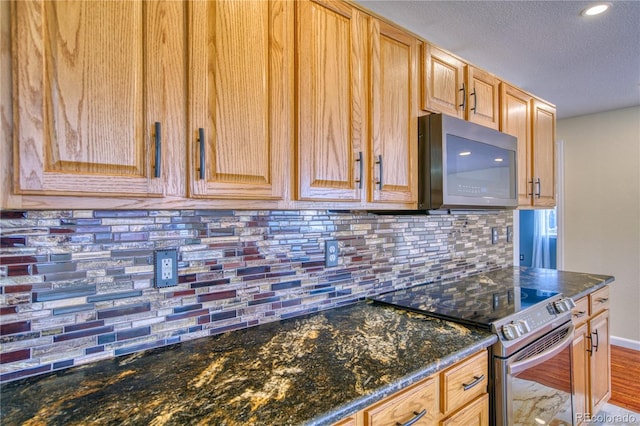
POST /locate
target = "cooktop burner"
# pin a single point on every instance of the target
(477, 301)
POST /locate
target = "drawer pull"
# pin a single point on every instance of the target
(477, 380)
(417, 417)
(579, 314)
(603, 300)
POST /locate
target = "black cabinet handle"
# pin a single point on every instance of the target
(590, 350)
(602, 300)
(417, 417)
(531, 182)
(478, 379)
(379, 162)
(359, 161)
(202, 151)
(597, 340)
(158, 138)
(475, 100)
(538, 184)
(463, 105)
(579, 314)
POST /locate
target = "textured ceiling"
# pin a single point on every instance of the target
(582, 65)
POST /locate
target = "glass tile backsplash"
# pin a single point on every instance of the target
(78, 286)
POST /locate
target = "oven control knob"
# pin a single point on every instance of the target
(524, 326)
(559, 306)
(569, 303)
(511, 331)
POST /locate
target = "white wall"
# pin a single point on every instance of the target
(602, 207)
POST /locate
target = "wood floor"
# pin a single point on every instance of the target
(625, 378)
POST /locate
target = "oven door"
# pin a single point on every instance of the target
(535, 383)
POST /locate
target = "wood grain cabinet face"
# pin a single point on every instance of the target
(443, 82)
(544, 148)
(239, 98)
(85, 101)
(533, 123)
(394, 107)
(331, 101)
(419, 401)
(591, 353)
(483, 98)
(515, 119)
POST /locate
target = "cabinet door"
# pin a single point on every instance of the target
(331, 101)
(474, 414)
(580, 364)
(84, 107)
(515, 120)
(482, 98)
(443, 84)
(600, 384)
(394, 107)
(239, 95)
(544, 139)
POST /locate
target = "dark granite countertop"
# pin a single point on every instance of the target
(570, 284)
(314, 369)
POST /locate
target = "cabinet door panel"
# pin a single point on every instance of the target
(81, 98)
(580, 378)
(544, 132)
(482, 100)
(394, 114)
(238, 95)
(516, 121)
(331, 100)
(443, 79)
(600, 361)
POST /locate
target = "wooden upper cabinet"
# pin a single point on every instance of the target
(515, 119)
(331, 101)
(394, 105)
(483, 98)
(544, 158)
(240, 61)
(85, 99)
(443, 82)
(544, 143)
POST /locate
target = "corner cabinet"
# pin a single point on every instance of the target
(591, 353)
(240, 62)
(86, 102)
(533, 123)
(446, 398)
(453, 87)
(357, 106)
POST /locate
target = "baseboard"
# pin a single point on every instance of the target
(625, 343)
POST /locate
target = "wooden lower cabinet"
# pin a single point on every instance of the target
(591, 354)
(455, 396)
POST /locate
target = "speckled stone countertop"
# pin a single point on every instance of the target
(570, 284)
(314, 369)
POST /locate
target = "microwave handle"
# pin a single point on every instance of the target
(520, 366)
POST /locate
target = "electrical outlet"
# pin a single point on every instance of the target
(331, 253)
(494, 235)
(509, 233)
(166, 268)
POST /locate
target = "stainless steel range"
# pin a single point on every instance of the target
(530, 381)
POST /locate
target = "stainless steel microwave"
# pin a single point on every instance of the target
(463, 165)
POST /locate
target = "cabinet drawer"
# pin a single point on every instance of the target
(464, 382)
(580, 312)
(406, 405)
(599, 300)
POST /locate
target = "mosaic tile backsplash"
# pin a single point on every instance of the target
(78, 286)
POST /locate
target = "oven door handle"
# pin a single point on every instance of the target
(520, 366)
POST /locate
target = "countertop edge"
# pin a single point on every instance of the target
(607, 280)
(356, 405)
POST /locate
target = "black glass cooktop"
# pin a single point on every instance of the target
(477, 301)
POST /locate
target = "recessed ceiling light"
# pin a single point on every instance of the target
(596, 9)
